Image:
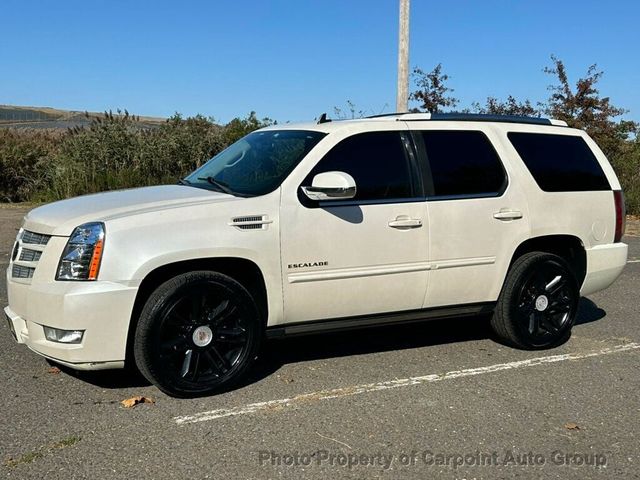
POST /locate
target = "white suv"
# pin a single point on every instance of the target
(311, 227)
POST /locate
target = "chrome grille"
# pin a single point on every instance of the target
(28, 255)
(20, 271)
(35, 238)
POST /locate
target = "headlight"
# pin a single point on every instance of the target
(81, 257)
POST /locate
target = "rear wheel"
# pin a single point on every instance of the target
(197, 334)
(538, 303)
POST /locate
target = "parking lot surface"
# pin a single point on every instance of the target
(440, 399)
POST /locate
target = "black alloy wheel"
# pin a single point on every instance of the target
(197, 334)
(539, 302)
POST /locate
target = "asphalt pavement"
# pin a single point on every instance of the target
(440, 399)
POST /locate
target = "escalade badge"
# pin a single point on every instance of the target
(308, 264)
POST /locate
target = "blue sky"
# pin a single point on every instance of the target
(292, 60)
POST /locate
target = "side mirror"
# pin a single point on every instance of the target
(331, 186)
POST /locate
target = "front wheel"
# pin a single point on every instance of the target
(538, 303)
(197, 334)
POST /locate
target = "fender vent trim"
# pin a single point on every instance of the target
(251, 222)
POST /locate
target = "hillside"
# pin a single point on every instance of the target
(13, 116)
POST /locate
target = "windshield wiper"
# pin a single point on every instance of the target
(184, 181)
(219, 184)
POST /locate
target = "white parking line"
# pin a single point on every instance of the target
(633, 261)
(272, 405)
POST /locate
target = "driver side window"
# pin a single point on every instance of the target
(377, 161)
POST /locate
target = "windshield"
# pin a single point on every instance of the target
(256, 164)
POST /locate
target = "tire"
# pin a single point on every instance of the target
(538, 304)
(197, 334)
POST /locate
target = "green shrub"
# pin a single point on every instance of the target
(24, 156)
(627, 167)
(117, 151)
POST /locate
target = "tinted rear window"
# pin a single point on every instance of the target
(560, 163)
(463, 163)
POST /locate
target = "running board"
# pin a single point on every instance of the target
(350, 323)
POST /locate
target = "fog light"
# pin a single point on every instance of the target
(63, 336)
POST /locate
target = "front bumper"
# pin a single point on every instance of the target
(604, 265)
(101, 309)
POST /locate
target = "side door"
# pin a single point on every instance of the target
(363, 256)
(477, 213)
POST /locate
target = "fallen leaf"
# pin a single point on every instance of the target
(571, 426)
(54, 370)
(133, 401)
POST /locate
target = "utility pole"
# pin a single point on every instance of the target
(402, 98)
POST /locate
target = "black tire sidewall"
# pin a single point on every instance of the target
(147, 333)
(512, 330)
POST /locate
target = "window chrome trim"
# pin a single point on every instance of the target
(437, 198)
(431, 198)
(355, 203)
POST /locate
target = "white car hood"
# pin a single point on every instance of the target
(60, 218)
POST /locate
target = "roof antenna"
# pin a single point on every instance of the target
(323, 119)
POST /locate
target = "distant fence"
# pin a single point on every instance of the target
(23, 115)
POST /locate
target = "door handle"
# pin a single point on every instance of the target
(506, 214)
(404, 221)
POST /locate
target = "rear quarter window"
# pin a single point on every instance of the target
(462, 164)
(559, 163)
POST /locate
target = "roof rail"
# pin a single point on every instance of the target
(395, 114)
(477, 117)
(473, 117)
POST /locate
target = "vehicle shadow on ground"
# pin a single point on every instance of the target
(108, 379)
(589, 312)
(278, 352)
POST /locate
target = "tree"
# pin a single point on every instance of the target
(432, 91)
(584, 108)
(626, 163)
(239, 127)
(511, 106)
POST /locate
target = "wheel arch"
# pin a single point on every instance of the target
(569, 247)
(244, 271)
